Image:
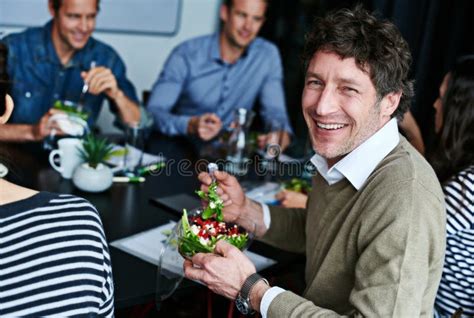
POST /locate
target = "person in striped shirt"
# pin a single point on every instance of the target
(54, 259)
(453, 161)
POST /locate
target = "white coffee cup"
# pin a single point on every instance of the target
(69, 156)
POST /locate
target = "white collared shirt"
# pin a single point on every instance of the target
(356, 167)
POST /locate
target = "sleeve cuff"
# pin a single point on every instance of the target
(268, 298)
(181, 125)
(267, 219)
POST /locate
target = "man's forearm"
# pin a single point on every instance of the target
(17, 133)
(128, 110)
(252, 218)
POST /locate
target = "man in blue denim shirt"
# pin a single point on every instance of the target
(53, 62)
(206, 78)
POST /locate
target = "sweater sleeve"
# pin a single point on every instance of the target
(285, 224)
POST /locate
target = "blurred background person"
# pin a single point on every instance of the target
(54, 62)
(207, 78)
(453, 161)
(292, 199)
(410, 128)
(55, 259)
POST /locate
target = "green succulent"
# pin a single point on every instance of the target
(95, 150)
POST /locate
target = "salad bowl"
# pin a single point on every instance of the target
(198, 234)
(182, 244)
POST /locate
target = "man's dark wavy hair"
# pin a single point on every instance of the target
(455, 148)
(376, 45)
(58, 3)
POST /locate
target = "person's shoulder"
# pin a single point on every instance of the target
(465, 176)
(26, 38)
(405, 162)
(406, 167)
(264, 46)
(195, 44)
(25, 34)
(462, 183)
(102, 47)
(67, 202)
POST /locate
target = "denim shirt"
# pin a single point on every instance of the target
(39, 78)
(195, 80)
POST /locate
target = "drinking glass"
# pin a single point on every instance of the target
(274, 130)
(134, 147)
(237, 147)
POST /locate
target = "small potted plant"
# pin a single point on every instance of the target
(93, 175)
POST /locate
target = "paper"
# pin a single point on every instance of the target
(147, 246)
(69, 124)
(117, 158)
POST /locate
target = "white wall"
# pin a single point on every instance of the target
(144, 55)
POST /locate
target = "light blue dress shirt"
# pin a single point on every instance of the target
(195, 80)
(356, 167)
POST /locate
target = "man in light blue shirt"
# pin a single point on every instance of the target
(207, 78)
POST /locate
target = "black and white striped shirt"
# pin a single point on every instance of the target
(54, 258)
(457, 283)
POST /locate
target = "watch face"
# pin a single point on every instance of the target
(242, 305)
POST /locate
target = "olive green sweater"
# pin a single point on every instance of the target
(376, 252)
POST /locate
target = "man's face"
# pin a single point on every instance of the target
(243, 21)
(74, 23)
(340, 105)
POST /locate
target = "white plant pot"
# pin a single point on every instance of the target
(89, 179)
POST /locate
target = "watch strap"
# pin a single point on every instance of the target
(249, 283)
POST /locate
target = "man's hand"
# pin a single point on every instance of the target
(102, 80)
(230, 192)
(224, 272)
(281, 138)
(292, 199)
(237, 207)
(205, 127)
(44, 127)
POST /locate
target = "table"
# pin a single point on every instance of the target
(125, 209)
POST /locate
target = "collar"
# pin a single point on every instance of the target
(44, 48)
(357, 165)
(45, 51)
(215, 51)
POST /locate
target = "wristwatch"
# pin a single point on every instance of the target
(242, 302)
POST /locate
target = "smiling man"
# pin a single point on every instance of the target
(53, 62)
(206, 79)
(373, 229)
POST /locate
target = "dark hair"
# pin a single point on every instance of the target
(4, 83)
(455, 147)
(376, 45)
(58, 3)
(230, 3)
